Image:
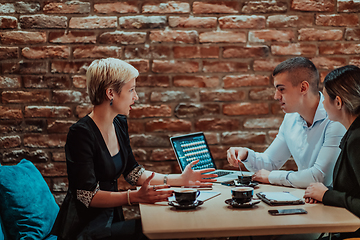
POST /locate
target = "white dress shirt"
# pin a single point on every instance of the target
(314, 149)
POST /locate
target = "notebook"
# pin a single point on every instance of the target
(190, 147)
(279, 198)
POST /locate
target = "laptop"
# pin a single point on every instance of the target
(190, 147)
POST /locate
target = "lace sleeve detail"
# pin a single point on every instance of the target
(134, 175)
(86, 196)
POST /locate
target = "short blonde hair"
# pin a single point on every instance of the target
(107, 73)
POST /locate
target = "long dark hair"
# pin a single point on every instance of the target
(345, 83)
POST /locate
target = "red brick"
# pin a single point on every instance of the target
(117, 37)
(22, 37)
(339, 48)
(10, 113)
(141, 65)
(162, 154)
(271, 35)
(273, 134)
(44, 140)
(323, 75)
(190, 110)
(10, 142)
(60, 185)
(69, 96)
(246, 51)
(196, 52)
(24, 7)
(33, 67)
(69, 67)
(153, 81)
(223, 36)
(234, 81)
(142, 140)
(79, 81)
(59, 126)
(10, 82)
(215, 7)
(242, 137)
(221, 95)
(262, 93)
(25, 97)
(276, 109)
(264, 6)
(160, 66)
(136, 126)
(93, 22)
(271, 122)
(96, 52)
(7, 8)
(116, 7)
(46, 52)
(337, 20)
(152, 51)
(328, 62)
(312, 34)
(225, 66)
(10, 68)
(8, 22)
(67, 7)
(192, 22)
(216, 124)
(171, 96)
(352, 34)
(145, 110)
(142, 22)
(168, 125)
(58, 156)
(298, 49)
(235, 22)
(196, 81)
(313, 5)
(174, 36)
(43, 21)
(8, 53)
(72, 37)
(166, 7)
(355, 61)
(51, 82)
(83, 109)
(277, 21)
(348, 6)
(245, 108)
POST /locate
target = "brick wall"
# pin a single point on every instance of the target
(204, 66)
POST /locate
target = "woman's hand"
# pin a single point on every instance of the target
(315, 192)
(150, 194)
(197, 177)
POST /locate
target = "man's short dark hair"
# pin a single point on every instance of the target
(300, 69)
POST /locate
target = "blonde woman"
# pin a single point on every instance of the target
(98, 152)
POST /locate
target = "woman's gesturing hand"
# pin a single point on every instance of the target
(152, 194)
(192, 177)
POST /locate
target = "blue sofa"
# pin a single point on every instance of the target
(27, 207)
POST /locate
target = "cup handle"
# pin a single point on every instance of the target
(198, 193)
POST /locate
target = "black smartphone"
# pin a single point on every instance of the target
(228, 183)
(279, 212)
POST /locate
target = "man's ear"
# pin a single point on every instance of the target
(338, 102)
(304, 86)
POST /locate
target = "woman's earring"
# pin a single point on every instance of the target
(111, 102)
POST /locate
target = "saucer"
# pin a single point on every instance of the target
(251, 184)
(188, 206)
(234, 204)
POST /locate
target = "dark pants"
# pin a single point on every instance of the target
(129, 230)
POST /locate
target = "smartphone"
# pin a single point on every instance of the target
(279, 212)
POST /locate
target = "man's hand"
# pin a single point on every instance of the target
(261, 176)
(236, 154)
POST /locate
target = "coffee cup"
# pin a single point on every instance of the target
(242, 194)
(186, 196)
(244, 179)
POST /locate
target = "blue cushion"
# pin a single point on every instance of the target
(27, 207)
(2, 233)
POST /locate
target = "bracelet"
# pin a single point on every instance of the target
(128, 197)
(165, 180)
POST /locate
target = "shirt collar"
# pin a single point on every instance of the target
(320, 113)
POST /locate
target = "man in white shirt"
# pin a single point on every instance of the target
(306, 133)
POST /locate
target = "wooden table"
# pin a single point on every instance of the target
(217, 219)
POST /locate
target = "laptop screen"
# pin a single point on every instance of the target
(191, 147)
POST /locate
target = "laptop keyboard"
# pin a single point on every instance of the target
(222, 173)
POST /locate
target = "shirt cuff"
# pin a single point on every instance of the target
(249, 160)
(134, 175)
(85, 196)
